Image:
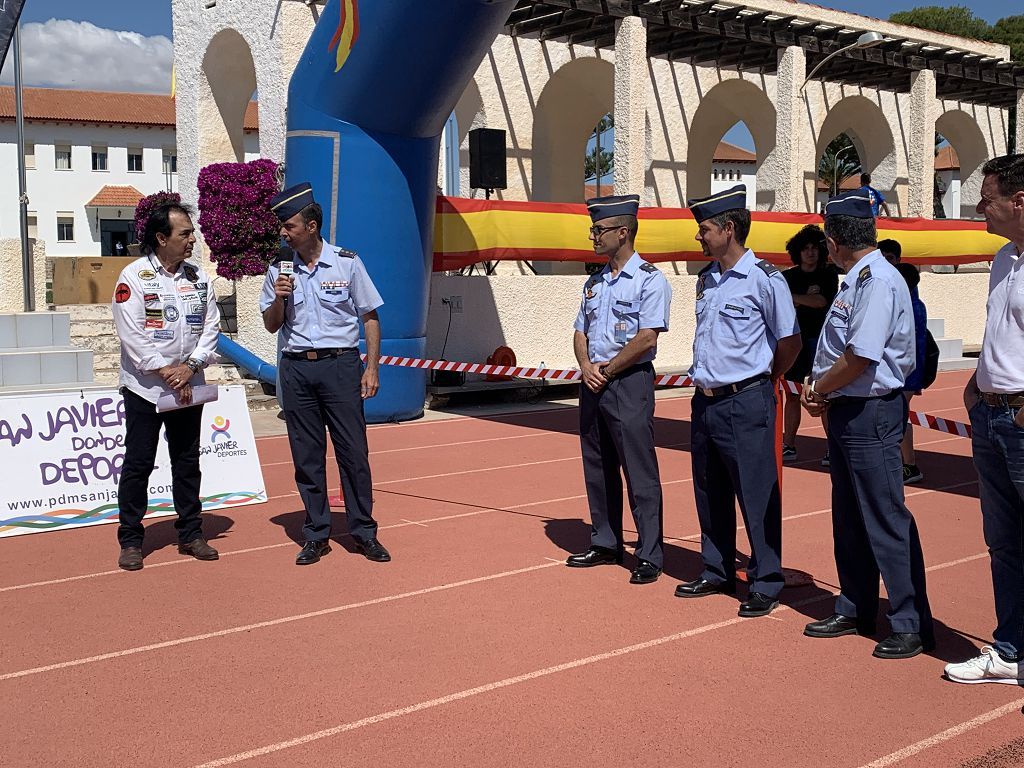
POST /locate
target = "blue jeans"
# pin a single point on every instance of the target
(998, 445)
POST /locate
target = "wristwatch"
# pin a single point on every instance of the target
(193, 364)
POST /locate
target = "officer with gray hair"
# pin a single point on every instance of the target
(865, 353)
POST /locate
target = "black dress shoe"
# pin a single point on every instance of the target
(373, 550)
(899, 645)
(312, 551)
(702, 588)
(645, 573)
(838, 625)
(758, 604)
(594, 556)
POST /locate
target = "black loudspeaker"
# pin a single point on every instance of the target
(487, 159)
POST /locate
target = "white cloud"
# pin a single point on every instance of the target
(76, 54)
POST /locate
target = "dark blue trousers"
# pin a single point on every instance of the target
(873, 530)
(319, 394)
(617, 434)
(732, 446)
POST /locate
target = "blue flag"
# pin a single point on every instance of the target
(10, 12)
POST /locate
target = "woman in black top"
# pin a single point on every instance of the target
(813, 283)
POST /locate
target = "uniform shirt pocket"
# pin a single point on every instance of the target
(735, 312)
(590, 306)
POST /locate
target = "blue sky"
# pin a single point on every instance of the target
(147, 17)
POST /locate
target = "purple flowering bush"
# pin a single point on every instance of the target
(147, 205)
(239, 229)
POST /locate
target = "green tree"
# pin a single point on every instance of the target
(1010, 31)
(955, 20)
(838, 162)
(598, 164)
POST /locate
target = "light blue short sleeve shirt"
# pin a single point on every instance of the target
(873, 317)
(741, 315)
(323, 311)
(614, 309)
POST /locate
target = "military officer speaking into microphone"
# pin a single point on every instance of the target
(865, 353)
(747, 337)
(623, 309)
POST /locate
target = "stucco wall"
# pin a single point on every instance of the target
(960, 299)
(12, 297)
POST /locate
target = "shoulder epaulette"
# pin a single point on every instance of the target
(191, 273)
(648, 267)
(708, 266)
(347, 253)
(593, 280)
(768, 268)
(864, 274)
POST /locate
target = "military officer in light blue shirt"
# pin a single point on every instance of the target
(747, 337)
(623, 309)
(315, 295)
(865, 353)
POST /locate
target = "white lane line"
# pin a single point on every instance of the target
(510, 681)
(946, 735)
(413, 522)
(271, 622)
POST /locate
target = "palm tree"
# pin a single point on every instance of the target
(839, 162)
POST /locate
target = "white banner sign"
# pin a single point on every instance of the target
(61, 456)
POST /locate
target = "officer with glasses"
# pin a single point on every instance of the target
(623, 309)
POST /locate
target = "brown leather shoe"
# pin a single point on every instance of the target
(199, 549)
(130, 559)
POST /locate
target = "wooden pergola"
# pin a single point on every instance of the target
(736, 36)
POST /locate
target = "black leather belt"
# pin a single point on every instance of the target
(731, 389)
(846, 399)
(317, 354)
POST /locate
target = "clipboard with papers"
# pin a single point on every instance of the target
(203, 393)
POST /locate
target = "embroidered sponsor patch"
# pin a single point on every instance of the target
(195, 330)
(151, 323)
(155, 312)
(198, 308)
(152, 285)
(164, 335)
(147, 274)
(194, 320)
(150, 297)
(122, 293)
(171, 313)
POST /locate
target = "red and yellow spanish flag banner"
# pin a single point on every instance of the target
(347, 33)
(470, 231)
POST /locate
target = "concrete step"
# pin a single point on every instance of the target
(101, 345)
(263, 402)
(87, 311)
(88, 328)
(34, 329)
(949, 349)
(29, 366)
(958, 364)
(937, 326)
(68, 386)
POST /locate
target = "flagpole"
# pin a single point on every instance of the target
(26, 251)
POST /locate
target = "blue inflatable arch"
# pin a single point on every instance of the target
(366, 107)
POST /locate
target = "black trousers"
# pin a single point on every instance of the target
(319, 395)
(874, 532)
(142, 435)
(733, 454)
(617, 434)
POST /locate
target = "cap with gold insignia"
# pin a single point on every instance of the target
(854, 203)
(720, 202)
(606, 207)
(292, 200)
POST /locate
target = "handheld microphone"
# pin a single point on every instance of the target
(287, 269)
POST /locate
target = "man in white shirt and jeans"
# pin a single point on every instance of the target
(994, 398)
(167, 319)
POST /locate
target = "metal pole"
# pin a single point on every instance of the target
(26, 251)
(597, 157)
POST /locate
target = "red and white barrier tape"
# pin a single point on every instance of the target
(665, 380)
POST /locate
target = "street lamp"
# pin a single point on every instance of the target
(835, 168)
(866, 40)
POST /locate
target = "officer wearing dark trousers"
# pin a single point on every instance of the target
(864, 355)
(623, 309)
(317, 301)
(167, 319)
(747, 336)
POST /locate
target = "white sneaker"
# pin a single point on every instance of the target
(989, 667)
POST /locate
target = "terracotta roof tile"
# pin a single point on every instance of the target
(71, 106)
(114, 196)
(730, 153)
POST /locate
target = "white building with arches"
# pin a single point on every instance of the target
(675, 75)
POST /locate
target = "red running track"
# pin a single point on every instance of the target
(476, 646)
